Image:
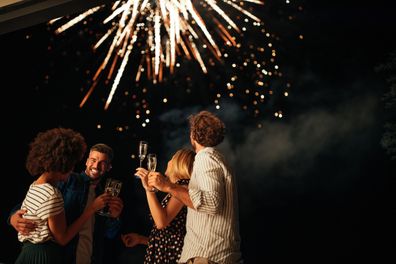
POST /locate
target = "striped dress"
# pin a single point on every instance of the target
(41, 202)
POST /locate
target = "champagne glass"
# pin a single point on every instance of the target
(113, 187)
(152, 165)
(143, 145)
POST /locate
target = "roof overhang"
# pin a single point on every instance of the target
(18, 14)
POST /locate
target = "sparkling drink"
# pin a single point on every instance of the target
(113, 187)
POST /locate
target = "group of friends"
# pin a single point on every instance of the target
(195, 223)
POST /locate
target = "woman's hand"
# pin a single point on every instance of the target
(100, 202)
(143, 175)
(132, 239)
(159, 181)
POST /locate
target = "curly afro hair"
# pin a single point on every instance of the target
(55, 150)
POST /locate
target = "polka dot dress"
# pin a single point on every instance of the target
(165, 245)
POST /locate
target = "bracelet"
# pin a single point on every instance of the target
(153, 189)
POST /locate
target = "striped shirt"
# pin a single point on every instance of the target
(213, 226)
(41, 202)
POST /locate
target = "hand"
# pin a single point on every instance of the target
(159, 181)
(132, 239)
(143, 174)
(100, 202)
(115, 206)
(20, 224)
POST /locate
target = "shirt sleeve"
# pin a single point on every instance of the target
(53, 205)
(208, 194)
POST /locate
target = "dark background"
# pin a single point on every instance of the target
(314, 185)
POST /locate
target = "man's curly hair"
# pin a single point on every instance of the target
(55, 150)
(207, 129)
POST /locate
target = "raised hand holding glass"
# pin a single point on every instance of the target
(152, 165)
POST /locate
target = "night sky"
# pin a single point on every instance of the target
(313, 185)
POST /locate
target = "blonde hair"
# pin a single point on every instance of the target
(181, 164)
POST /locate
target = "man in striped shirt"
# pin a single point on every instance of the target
(212, 219)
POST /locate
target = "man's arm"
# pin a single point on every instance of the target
(180, 192)
(20, 224)
(162, 183)
(208, 193)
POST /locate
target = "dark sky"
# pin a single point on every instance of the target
(313, 185)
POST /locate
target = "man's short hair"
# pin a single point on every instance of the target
(105, 149)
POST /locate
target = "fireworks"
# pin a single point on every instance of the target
(169, 29)
(159, 35)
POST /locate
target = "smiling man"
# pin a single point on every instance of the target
(77, 192)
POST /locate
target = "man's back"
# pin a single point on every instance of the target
(212, 229)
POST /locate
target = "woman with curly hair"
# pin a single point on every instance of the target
(51, 158)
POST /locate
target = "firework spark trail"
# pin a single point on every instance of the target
(179, 18)
(75, 20)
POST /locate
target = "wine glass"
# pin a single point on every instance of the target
(143, 145)
(112, 187)
(152, 165)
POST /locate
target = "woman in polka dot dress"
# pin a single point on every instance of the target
(165, 242)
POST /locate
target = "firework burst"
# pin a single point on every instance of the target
(183, 53)
(161, 31)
